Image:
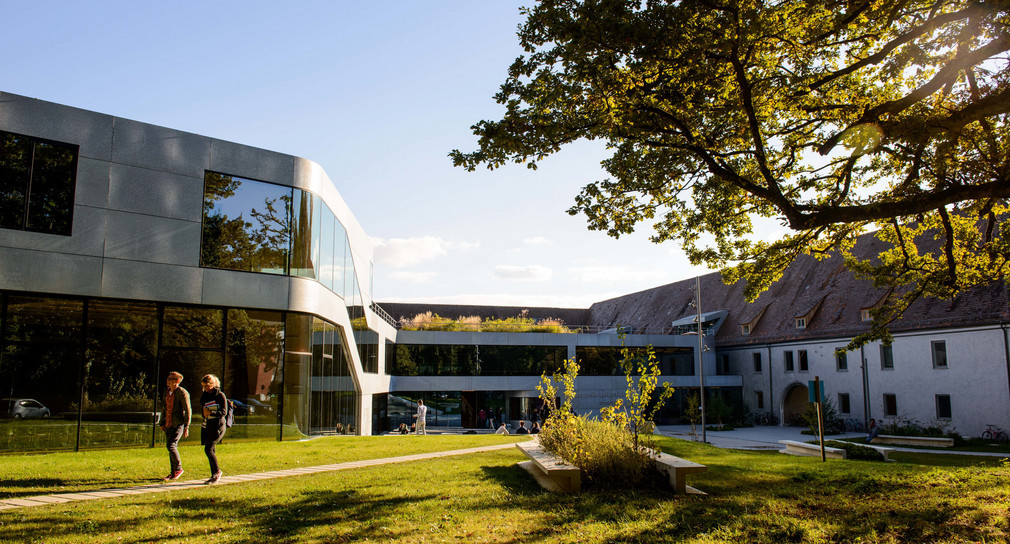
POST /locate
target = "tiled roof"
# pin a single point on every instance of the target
(806, 283)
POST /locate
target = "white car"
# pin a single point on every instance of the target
(24, 408)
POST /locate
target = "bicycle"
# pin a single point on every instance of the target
(853, 425)
(993, 432)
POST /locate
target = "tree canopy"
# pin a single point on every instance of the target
(833, 117)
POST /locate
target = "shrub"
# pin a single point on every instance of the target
(603, 451)
(611, 452)
(854, 451)
(832, 423)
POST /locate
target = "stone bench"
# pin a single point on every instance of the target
(677, 470)
(931, 441)
(550, 470)
(883, 451)
(794, 447)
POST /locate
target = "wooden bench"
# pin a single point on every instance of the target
(677, 470)
(794, 447)
(931, 441)
(550, 471)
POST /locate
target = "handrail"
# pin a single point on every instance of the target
(383, 314)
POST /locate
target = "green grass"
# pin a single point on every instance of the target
(753, 497)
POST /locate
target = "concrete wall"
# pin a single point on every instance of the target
(976, 377)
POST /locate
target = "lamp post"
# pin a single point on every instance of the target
(701, 345)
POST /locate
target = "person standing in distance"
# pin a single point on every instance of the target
(422, 413)
(215, 409)
(176, 422)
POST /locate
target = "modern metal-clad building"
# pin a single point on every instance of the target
(128, 250)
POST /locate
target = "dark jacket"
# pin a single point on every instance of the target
(182, 413)
(212, 430)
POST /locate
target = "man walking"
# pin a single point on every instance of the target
(422, 412)
(176, 422)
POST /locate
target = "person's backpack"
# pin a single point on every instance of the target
(229, 418)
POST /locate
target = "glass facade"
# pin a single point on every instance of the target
(37, 183)
(469, 360)
(256, 226)
(79, 373)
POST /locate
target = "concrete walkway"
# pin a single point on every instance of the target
(42, 500)
(767, 438)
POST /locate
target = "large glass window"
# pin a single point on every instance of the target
(252, 371)
(326, 255)
(119, 374)
(297, 368)
(37, 181)
(40, 373)
(304, 207)
(246, 224)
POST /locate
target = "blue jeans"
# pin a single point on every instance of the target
(172, 437)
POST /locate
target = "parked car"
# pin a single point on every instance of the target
(24, 408)
(260, 407)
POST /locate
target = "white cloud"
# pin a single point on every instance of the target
(413, 277)
(615, 274)
(533, 272)
(401, 252)
(536, 241)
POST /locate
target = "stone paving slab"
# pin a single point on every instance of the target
(56, 498)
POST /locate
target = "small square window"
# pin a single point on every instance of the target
(864, 315)
(890, 404)
(788, 356)
(804, 365)
(939, 353)
(801, 322)
(841, 360)
(843, 403)
(760, 397)
(757, 362)
(744, 329)
(886, 357)
(943, 407)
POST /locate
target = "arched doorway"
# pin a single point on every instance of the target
(794, 404)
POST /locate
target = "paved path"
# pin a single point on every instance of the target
(42, 500)
(767, 438)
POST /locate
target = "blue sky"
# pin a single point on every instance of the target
(376, 93)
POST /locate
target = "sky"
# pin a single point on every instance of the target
(377, 93)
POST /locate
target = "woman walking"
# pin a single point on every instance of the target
(215, 409)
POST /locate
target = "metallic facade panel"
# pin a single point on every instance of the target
(158, 148)
(244, 290)
(149, 281)
(87, 238)
(92, 183)
(250, 162)
(31, 117)
(152, 239)
(152, 192)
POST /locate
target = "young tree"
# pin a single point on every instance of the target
(832, 117)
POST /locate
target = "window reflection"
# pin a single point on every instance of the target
(246, 224)
(37, 181)
(40, 374)
(119, 374)
(252, 365)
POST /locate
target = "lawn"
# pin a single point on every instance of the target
(753, 497)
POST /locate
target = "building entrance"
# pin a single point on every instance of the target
(794, 404)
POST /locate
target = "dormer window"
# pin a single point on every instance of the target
(864, 315)
(801, 322)
(745, 329)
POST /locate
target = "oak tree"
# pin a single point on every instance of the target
(834, 117)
